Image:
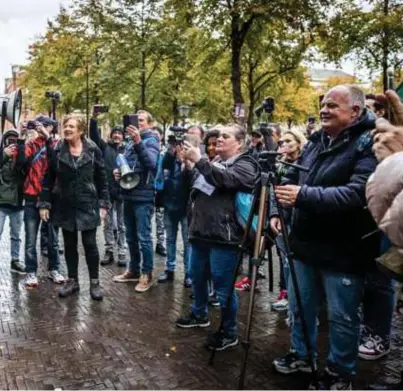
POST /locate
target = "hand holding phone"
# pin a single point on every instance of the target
(130, 119)
(134, 134)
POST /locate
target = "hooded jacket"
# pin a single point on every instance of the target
(11, 178)
(213, 217)
(330, 222)
(110, 151)
(33, 158)
(143, 158)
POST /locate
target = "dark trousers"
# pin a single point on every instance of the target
(90, 248)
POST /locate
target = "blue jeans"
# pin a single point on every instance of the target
(32, 221)
(15, 217)
(344, 293)
(221, 262)
(138, 235)
(378, 303)
(171, 222)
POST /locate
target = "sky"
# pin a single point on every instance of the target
(23, 20)
(20, 22)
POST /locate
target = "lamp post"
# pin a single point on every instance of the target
(15, 69)
(184, 112)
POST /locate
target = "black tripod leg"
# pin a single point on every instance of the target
(242, 249)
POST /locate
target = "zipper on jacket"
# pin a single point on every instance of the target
(228, 229)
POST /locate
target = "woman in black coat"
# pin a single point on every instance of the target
(76, 192)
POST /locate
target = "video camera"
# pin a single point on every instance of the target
(56, 95)
(267, 106)
(178, 134)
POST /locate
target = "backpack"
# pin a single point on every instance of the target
(243, 205)
(159, 177)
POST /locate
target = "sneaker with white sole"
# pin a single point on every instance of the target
(56, 277)
(291, 363)
(127, 276)
(145, 283)
(31, 281)
(281, 303)
(373, 348)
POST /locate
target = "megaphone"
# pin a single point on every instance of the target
(128, 179)
(10, 106)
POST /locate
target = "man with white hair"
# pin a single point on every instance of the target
(329, 233)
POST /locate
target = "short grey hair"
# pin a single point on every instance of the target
(150, 118)
(357, 96)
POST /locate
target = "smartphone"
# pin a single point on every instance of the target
(99, 109)
(192, 139)
(311, 120)
(130, 119)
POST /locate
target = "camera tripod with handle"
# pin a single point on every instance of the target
(261, 195)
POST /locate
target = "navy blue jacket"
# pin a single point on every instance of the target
(330, 219)
(143, 158)
(177, 186)
(110, 151)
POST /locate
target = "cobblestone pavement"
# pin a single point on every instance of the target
(129, 341)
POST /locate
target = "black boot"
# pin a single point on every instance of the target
(165, 276)
(95, 290)
(70, 287)
(108, 258)
(122, 260)
(160, 250)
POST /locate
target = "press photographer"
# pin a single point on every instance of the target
(328, 233)
(214, 231)
(177, 182)
(11, 195)
(141, 154)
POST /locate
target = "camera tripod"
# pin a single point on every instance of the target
(261, 196)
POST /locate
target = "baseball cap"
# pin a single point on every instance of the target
(46, 121)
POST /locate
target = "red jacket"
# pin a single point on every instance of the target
(33, 156)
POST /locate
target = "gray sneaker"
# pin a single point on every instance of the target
(17, 267)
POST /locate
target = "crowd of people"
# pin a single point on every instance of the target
(55, 177)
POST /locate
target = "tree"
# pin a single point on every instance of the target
(374, 37)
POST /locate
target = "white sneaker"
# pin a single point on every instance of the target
(31, 281)
(56, 277)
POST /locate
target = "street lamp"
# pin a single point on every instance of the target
(15, 69)
(184, 111)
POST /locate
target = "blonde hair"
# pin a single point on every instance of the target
(80, 121)
(298, 136)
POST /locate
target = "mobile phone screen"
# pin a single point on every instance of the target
(130, 119)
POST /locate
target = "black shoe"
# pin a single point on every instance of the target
(187, 282)
(212, 300)
(61, 251)
(70, 287)
(17, 266)
(166, 276)
(108, 258)
(122, 260)
(387, 383)
(95, 290)
(191, 320)
(160, 250)
(219, 341)
(332, 381)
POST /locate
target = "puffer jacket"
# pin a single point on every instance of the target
(75, 189)
(330, 222)
(143, 159)
(385, 201)
(213, 217)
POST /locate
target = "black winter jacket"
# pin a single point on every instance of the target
(110, 151)
(330, 220)
(75, 189)
(213, 218)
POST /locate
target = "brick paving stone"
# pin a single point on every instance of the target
(129, 341)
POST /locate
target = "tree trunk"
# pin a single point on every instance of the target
(236, 71)
(143, 80)
(385, 47)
